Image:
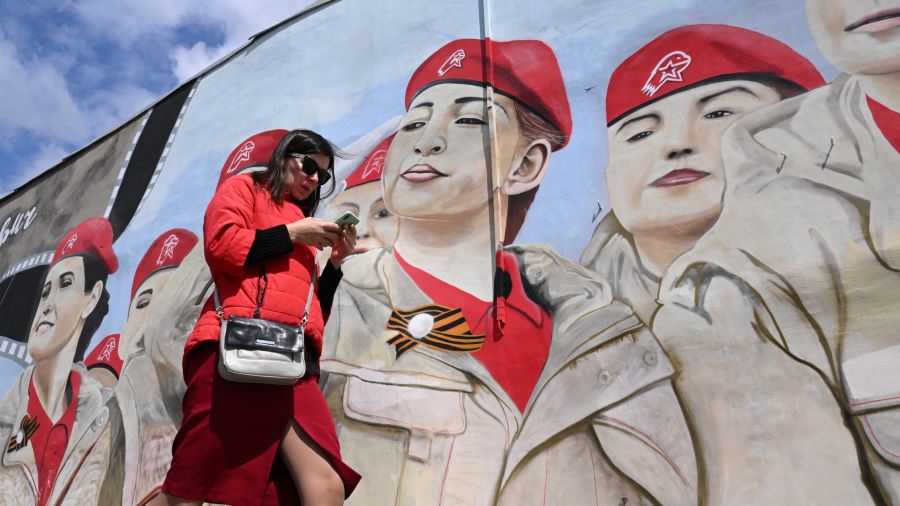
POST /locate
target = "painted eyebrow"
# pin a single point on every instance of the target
(148, 291)
(652, 116)
(67, 273)
(733, 89)
(466, 100)
(423, 104)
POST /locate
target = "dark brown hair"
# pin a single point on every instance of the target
(94, 270)
(532, 127)
(298, 141)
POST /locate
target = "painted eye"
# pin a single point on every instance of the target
(470, 121)
(45, 292)
(413, 126)
(717, 114)
(142, 303)
(382, 213)
(638, 136)
(65, 283)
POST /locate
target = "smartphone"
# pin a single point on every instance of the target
(346, 219)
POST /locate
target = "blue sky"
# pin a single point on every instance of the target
(71, 70)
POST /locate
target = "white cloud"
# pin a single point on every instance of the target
(127, 21)
(40, 109)
(239, 20)
(36, 99)
(69, 95)
(232, 22)
(187, 62)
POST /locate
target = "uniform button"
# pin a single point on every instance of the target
(420, 325)
(650, 357)
(604, 376)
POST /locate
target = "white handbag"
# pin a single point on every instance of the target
(253, 350)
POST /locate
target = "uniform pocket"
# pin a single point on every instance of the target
(872, 382)
(424, 412)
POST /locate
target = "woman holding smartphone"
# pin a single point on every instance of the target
(242, 443)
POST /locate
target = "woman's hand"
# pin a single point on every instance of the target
(344, 246)
(315, 232)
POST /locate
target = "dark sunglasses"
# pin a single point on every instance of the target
(310, 167)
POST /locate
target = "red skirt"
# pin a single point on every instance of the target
(226, 450)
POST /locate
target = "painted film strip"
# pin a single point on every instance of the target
(169, 141)
(42, 258)
(124, 167)
(15, 351)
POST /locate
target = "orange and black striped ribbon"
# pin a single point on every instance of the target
(450, 332)
(28, 428)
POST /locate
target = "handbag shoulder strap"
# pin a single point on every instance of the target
(309, 298)
(312, 286)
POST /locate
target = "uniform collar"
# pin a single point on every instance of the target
(516, 297)
(404, 293)
(36, 409)
(89, 413)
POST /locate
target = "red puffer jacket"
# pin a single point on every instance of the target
(234, 214)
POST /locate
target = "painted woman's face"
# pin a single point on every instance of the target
(62, 309)
(141, 303)
(436, 167)
(665, 173)
(857, 36)
(377, 226)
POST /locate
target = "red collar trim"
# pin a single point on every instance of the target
(444, 293)
(887, 120)
(36, 409)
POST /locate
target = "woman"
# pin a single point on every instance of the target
(171, 317)
(667, 106)
(815, 248)
(121, 362)
(106, 361)
(362, 195)
(666, 178)
(54, 423)
(471, 412)
(241, 443)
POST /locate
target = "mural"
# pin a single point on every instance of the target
(609, 254)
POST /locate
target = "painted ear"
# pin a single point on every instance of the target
(530, 170)
(96, 292)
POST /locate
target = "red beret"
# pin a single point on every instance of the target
(372, 166)
(254, 151)
(524, 70)
(93, 236)
(168, 250)
(690, 55)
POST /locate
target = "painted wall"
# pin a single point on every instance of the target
(671, 230)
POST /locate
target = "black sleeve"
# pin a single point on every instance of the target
(328, 283)
(269, 243)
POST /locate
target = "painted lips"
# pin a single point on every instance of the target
(43, 327)
(421, 173)
(876, 22)
(679, 177)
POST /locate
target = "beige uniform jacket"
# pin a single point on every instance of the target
(152, 386)
(784, 317)
(612, 255)
(147, 425)
(90, 472)
(436, 428)
(172, 316)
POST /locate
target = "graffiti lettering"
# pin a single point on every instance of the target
(17, 223)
